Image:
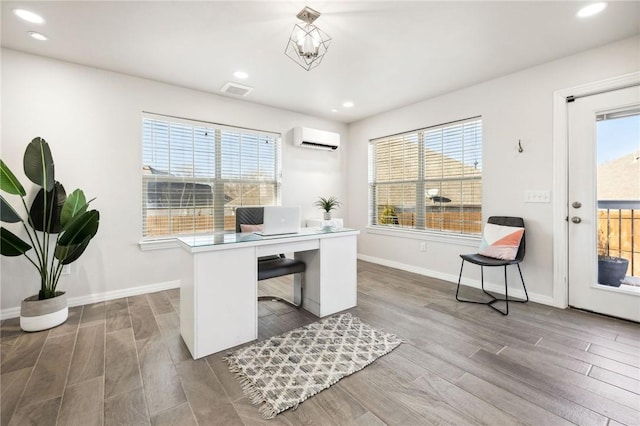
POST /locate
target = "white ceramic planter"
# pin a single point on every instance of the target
(37, 315)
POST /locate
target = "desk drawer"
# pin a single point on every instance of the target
(287, 247)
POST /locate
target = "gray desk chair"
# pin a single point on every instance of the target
(483, 261)
(275, 265)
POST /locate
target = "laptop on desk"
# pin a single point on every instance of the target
(279, 220)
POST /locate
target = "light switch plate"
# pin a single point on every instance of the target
(537, 196)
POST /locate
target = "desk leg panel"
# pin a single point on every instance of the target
(187, 300)
(311, 291)
(338, 274)
(330, 282)
(224, 300)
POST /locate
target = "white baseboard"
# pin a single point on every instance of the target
(151, 288)
(102, 297)
(495, 288)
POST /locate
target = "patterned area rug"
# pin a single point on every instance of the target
(285, 370)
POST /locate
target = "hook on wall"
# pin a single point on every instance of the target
(520, 150)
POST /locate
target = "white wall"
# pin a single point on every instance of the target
(514, 107)
(91, 118)
(92, 121)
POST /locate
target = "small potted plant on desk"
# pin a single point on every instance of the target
(327, 204)
(58, 228)
(611, 269)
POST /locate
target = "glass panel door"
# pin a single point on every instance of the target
(604, 197)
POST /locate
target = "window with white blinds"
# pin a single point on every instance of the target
(195, 174)
(428, 179)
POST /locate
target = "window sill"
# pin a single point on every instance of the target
(440, 237)
(159, 244)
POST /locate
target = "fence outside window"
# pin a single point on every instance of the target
(428, 179)
(195, 174)
(619, 231)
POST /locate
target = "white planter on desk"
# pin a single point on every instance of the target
(335, 222)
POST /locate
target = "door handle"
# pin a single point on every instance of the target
(576, 219)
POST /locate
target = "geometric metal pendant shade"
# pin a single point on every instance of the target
(307, 43)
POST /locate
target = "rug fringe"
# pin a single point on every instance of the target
(253, 394)
(267, 412)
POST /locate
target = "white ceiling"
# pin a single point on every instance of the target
(384, 54)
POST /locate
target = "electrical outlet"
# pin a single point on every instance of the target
(423, 246)
(66, 270)
(541, 196)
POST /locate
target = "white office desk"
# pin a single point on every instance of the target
(218, 290)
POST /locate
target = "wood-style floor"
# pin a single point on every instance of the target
(123, 363)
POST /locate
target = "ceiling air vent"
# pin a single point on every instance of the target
(236, 89)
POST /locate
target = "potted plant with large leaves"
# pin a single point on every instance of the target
(58, 227)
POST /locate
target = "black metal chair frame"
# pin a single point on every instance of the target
(271, 266)
(483, 261)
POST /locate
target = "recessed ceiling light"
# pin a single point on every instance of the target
(38, 36)
(241, 75)
(348, 104)
(28, 16)
(334, 110)
(592, 9)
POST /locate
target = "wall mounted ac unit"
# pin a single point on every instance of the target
(317, 139)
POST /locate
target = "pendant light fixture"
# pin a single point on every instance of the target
(307, 44)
